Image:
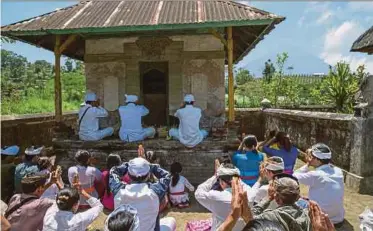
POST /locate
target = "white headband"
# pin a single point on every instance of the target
(32, 151)
(319, 154)
(131, 98)
(273, 165)
(138, 167)
(223, 171)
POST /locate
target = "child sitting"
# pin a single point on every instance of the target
(108, 198)
(178, 196)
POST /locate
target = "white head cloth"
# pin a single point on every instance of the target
(131, 98)
(138, 167)
(366, 220)
(319, 154)
(10, 151)
(265, 100)
(223, 171)
(188, 98)
(275, 163)
(90, 96)
(125, 209)
(32, 151)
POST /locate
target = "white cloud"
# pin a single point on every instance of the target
(337, 44)
(325, 17)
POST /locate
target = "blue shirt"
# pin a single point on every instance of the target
(288, 157)
(248, 163)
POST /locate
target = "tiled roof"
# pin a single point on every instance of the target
(151, 13)
(364, 43)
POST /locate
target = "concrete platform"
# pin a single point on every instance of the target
(198, 162)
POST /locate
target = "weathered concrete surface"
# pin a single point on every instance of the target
(37, 129)
(197, 162)
(308, 128)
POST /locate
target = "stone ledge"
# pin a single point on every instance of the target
(208, 145)
(309, 114)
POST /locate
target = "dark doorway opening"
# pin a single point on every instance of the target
(154, 90)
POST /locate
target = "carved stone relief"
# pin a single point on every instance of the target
(153, 47)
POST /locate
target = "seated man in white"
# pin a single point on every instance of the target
(188, 132)
(89, 115)
(130, 115)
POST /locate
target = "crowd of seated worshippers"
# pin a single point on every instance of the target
(135, 192)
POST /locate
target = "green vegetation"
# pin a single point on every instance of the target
(337, 88)
(29, 87)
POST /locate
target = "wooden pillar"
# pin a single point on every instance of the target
(230, 76)
(57, 80)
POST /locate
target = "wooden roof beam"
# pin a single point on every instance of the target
(248, 33)
(67, 42)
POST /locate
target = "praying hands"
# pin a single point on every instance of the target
(239, 207)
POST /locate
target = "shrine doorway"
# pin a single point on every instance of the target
(154, 91)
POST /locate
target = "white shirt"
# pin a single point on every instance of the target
(260, 192)
(219, 203)
(189, 133)
(90, 122)
(178, 188)
(87, 177)
(59, 220)
(130, 116)
(144, 200)
(326, 187)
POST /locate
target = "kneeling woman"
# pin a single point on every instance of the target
(247, 159)
(62, 216)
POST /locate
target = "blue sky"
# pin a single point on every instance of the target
(315, 34)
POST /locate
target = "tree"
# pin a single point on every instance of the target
(243, 76)
(269, 71)
(280, 62)
(69, 65)
(340, 86)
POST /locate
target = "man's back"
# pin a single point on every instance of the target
(328, 191)
(90, 121)
(130, 116)
(144, 200)
(291, 217)
(29, 217)
(189, 125)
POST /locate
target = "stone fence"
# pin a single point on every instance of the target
(350, 138)
(36, 129)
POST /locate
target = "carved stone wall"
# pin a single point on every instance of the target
(195, 65)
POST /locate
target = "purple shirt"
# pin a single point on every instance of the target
(288, 157)
(29, 217)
